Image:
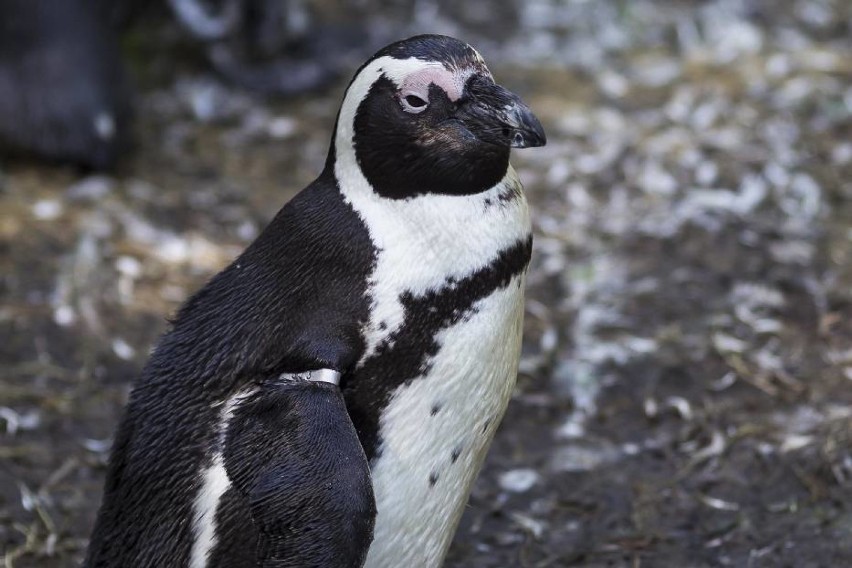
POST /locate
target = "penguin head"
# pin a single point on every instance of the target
(424, 116)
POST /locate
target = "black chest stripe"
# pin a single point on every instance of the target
(405, 354)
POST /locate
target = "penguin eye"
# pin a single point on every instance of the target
(413, 104)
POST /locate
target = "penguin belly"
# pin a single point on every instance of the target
(436, 430)
(442, 348)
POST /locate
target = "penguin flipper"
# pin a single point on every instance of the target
(292, 452)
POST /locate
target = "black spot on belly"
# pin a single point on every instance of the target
(433, 478)
(405, 353)
(456, 453)
(436, 407)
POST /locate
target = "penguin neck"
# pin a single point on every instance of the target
(426, 215)
(449, 223)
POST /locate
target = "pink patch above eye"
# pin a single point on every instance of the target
(418, 82)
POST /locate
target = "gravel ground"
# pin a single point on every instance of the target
(685, 396)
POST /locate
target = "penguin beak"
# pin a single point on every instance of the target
(496, 115)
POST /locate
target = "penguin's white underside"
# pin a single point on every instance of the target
(420, 491)
(437, 429)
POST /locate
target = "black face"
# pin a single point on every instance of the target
(412, 143)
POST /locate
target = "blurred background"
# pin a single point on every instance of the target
(685, 396)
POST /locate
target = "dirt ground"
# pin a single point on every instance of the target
(685, 395)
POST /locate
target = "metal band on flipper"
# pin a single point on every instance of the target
(317, 375)
(325, 375)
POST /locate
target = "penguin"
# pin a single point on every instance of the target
(329, 397)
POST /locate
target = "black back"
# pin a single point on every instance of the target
(293, 301)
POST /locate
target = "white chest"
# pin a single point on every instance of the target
(437, 426)
(436, 431)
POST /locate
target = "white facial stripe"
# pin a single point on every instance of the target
(394, 69)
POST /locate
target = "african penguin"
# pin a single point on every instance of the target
(328, 398)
